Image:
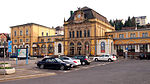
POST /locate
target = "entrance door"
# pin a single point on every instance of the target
(71, 48)
(79, 48)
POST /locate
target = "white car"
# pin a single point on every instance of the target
(106, 57)
(73, 61)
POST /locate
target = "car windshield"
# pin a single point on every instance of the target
(59, 60)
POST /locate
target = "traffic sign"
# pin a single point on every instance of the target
(9, 46)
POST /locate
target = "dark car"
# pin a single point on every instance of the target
(54, 63)
(144, 56)
(13, 55)
(83, 59)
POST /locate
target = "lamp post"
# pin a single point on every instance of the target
(23, 45)
(4, 55)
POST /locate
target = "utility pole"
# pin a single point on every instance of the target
(4, 58)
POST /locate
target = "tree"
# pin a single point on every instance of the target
(111, 22)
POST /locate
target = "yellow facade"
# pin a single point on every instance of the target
(25, 35)
(130, 36)
(77, 24)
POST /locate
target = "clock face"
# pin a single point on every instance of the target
(79, 15)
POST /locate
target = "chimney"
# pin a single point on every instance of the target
(71, 13)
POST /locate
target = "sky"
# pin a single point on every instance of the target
(52, 12)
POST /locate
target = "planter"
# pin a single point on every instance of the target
(12, 59)
(7, 71)
(6, 65)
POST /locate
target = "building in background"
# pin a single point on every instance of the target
(133, 41)
(4, 37)
(23, 36)
(141, 20)
(59, 30)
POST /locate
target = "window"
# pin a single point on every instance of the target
(42, 33)
(80, 33)
(59, 48)
(131, 48)
(15, 33)
(111, 36)
(27, 40)
(73, 34)
(43, 49)
(121, 35)
(15, 41)
(132, 35)
(20, 33)
(145, 34)
(84, 33)
(70, 34)
(88, 33)
(50, 48)
(49, 40)
(77, 34)
(102, 47)
(42, 40)
(26, 32)
(119, 48)
(21, 40)
(46, 34)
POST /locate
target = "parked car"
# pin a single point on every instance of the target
(143, 56)
(73, 61)
(54, 63)
(106, 57)
(83, 59)
(13, 55)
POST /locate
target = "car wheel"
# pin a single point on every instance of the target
(96, 60)
(41, 66)
(62, 67)
(109, 60)
(83, 63)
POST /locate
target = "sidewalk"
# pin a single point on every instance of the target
(24, 70)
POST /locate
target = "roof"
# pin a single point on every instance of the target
(144, 29)
(29, 24)
(89, 14)
(51, 36)
(142, 17)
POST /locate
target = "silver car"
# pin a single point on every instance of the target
(73, 61)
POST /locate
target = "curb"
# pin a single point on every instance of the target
(27, 77)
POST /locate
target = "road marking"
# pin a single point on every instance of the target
(27, 77)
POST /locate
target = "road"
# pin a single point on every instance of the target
(122, 72)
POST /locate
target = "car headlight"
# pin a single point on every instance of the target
(68, 64)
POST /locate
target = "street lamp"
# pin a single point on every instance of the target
(4, 55)
(23, 45)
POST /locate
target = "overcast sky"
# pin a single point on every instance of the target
(52, 12)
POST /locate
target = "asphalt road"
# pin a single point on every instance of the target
(122, 72)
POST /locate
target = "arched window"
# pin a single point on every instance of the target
(79, 48)
(84, 33)
(43, 49)
(71, 48)
(15, 48)
(80, 33)
(77, 34)
(73, 34)
(87, 49)
(88, 33)
(59, 48)
(50, 48)
(102, 47)
(70, 34)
